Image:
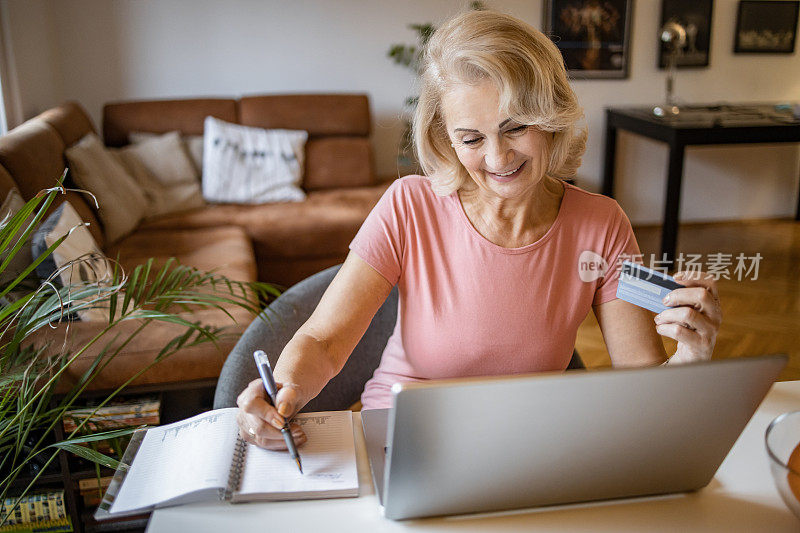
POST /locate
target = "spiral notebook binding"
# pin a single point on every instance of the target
(237, 466)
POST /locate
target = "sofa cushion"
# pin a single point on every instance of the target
(33, 153)
(161, 116)
(195, 362)
(122, 202)
(162, 168)
(318, 114)
(224, 249)
(70, 121)
(166, 158)
(322, 115)
(245, 165)
(6, 183)
(81, 202)
(322, 226)
(193, 144)
(338, 162)
(78, 257)
(78, 244)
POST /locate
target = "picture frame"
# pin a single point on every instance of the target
(766, 27)
(597, 50)
(695, 16)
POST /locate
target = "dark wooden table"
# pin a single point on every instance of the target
(696, 125)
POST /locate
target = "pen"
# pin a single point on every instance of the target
(265, 370)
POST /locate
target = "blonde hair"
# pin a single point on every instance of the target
(528, 71)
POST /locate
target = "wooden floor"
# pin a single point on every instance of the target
(760, 316)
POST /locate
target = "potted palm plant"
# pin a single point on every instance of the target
(30, 409)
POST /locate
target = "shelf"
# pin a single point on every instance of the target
(178, 401)
(44, 479)
(88, 474)
(143, 390)
(52, 474)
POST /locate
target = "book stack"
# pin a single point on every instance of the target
(142, 411)
(35, 513)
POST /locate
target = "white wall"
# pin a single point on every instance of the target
(95, 51)
(724, 182)
(32, 69)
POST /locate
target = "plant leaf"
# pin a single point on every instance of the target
(103, 435)
(88, 453)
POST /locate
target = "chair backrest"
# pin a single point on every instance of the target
(276, 326)
(278, 323)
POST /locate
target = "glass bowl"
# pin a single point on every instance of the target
(783, 449)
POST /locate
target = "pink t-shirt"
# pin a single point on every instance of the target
(469, 307)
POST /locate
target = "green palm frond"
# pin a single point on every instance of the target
(31, 370)
(74, 445)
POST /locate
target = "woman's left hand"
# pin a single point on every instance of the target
(694, 317)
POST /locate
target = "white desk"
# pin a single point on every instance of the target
(741, 497)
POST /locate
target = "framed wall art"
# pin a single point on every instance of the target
(593, 35)
(694, 16)
(766, 27)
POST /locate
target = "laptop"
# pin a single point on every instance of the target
(497, 443)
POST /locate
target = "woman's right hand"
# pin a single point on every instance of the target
(260, 423)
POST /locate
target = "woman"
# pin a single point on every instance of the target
(485, 250)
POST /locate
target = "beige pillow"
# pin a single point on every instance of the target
(79, 255)
(165, 173)
(193, 144)
(166, 158)
(122, 202)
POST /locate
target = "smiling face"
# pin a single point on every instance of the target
(504, 158)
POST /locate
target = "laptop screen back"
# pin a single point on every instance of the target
(488, 444)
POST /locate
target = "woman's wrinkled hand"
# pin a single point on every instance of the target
(260, 423)
(694, 317)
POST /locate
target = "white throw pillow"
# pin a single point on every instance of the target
(122, 202)
(247, 165)
(164, 171)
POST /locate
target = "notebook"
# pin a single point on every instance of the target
(203, 458)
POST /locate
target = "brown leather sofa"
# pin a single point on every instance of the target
(280, 243)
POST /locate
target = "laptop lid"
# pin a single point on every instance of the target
(374, 423)
(487, 444)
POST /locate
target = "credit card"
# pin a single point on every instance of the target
(644, 287)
